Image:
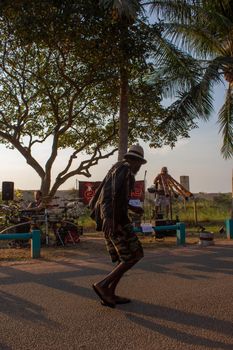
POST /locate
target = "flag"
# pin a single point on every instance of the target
(87, 190)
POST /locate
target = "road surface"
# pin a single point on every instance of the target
(182, 298)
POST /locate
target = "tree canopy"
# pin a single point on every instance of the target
(55, 92)
(63, 63)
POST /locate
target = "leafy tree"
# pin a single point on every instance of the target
(119, 35)
(53, 94)
(64, 63)
(202, 29)
(178, 71)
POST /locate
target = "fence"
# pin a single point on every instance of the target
(35, 240)
(179, 227)
(229, 228)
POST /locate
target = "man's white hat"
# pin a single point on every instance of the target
(136, 151)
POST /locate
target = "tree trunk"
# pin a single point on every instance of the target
(123, 114)
(124, 88)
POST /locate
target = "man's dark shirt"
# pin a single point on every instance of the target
(112, 196)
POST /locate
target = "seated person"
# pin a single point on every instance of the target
(36, 207)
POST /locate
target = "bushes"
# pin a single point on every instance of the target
(214, 208)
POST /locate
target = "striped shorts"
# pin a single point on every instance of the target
(124, 245)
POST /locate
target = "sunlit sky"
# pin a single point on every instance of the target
(198, 157)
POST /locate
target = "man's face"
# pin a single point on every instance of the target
(135, 165)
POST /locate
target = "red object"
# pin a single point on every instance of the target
(71, 237)
(139, 191)
(87, 190)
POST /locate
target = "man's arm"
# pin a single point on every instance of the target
(156, 179)
(114, 184)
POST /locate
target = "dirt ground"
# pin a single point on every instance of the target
(91, 242)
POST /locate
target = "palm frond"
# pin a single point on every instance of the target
(174, 68)
(182, 114)
(196, 26)
(214, 20)
(190, 38)
(215, 68)
(173, 80)
(196, 103)
(225, 121)
(127, 8)
(180, 10)
(218, 8)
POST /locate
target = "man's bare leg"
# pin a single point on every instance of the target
(106, 288)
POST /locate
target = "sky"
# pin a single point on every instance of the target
(198, 157)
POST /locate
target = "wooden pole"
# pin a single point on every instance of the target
(170, 206)
(184, 201)
(195, 210)
(144, 199)
(232, 195)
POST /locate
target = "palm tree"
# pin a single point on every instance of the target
(208, 35)
(164, 55)
(194, 53)
(124, 13)
(219, 17)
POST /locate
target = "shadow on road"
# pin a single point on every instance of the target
(5, 347)
(138, 309)
(65, 275)
(196, 261)
(20, 308)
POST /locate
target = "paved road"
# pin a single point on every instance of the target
(182, 299)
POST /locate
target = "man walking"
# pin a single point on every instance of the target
(110, 211)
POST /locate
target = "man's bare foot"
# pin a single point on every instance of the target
(105, 295)
(121, 300)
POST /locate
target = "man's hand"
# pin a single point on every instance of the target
(136, 210)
